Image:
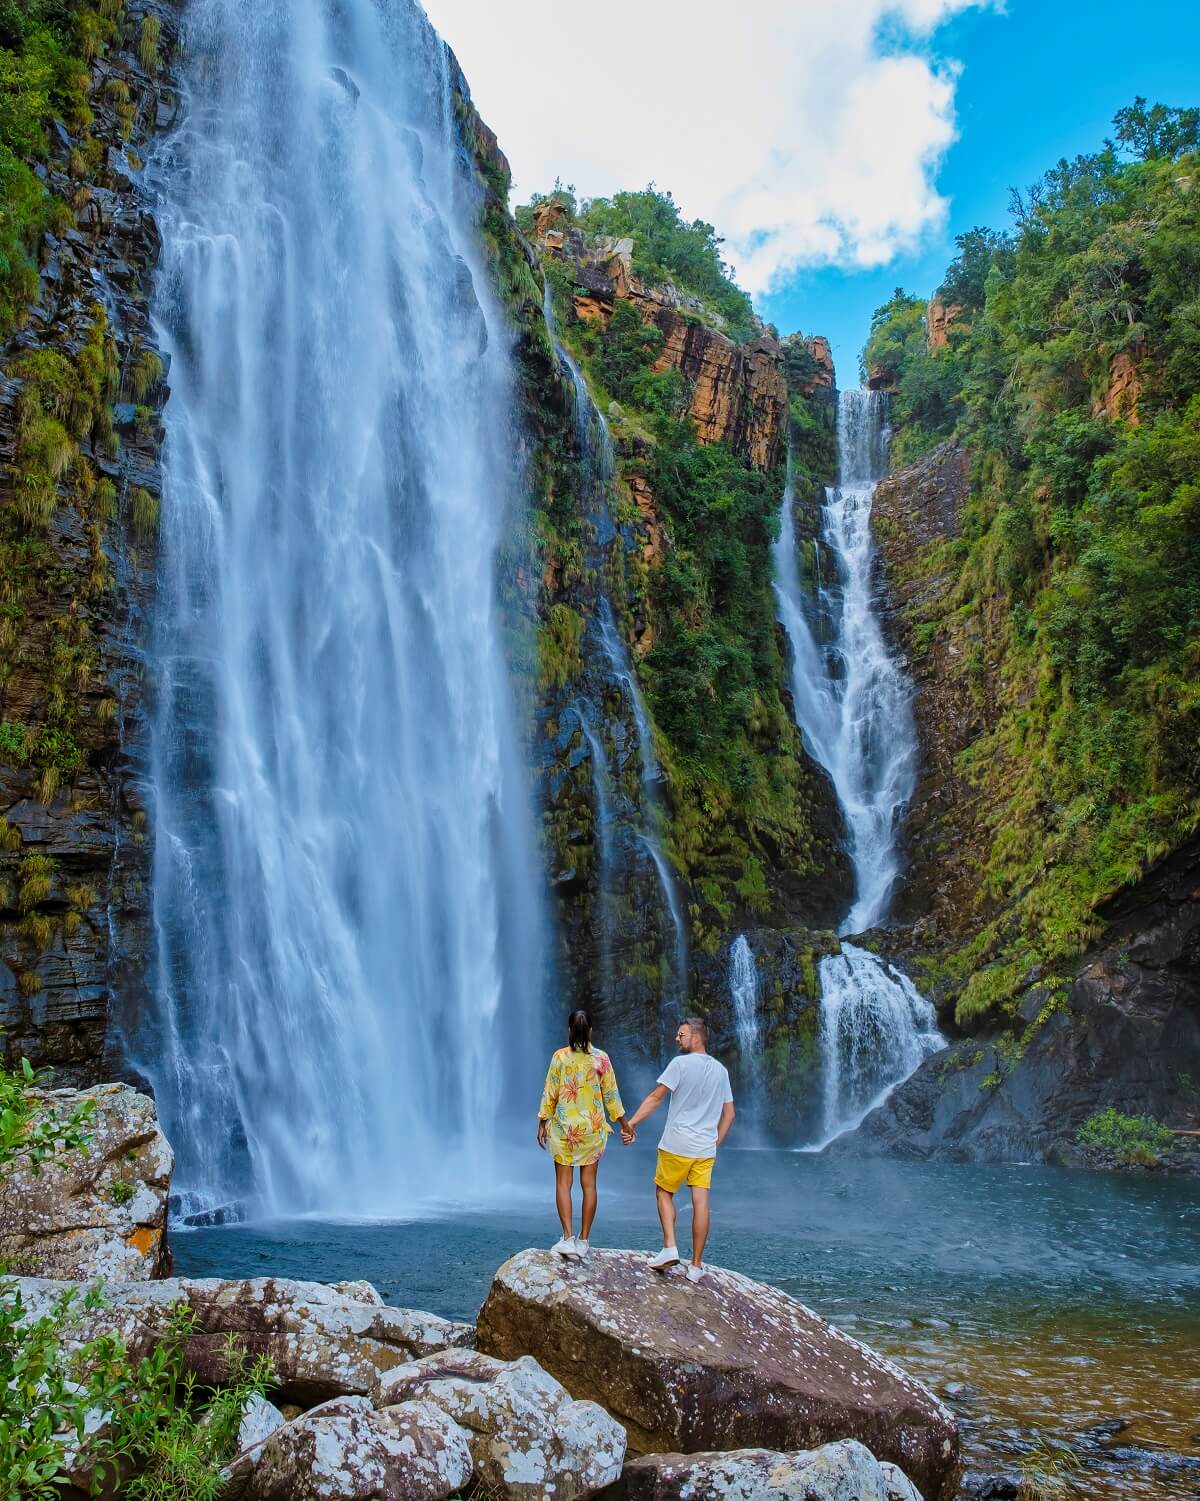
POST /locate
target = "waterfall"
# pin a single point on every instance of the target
(346, 893)
(854, 709)
(598, 465)
(743, 991)
(875, 1029)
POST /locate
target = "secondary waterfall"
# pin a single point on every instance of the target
(743, 992)
(854, 709)
(598, 466)
(345, 885)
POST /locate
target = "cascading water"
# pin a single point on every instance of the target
(599, 467)
(743, 992)
(345, 884)
(854, 709)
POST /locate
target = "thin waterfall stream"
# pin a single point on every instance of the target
(598, 464)
(346, 893)
(854, 710)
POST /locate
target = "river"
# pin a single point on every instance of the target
(1041, 1303)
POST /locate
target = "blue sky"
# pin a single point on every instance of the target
(837, 145)
(1038, 81)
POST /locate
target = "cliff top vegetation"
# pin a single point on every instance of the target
(1069, 366)
(665, 247)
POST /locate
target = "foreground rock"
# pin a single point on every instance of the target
(345, 1450)
(529, 1438)
(844, 1471)
(722, 1364)
(322, 1343)
(99, 1213)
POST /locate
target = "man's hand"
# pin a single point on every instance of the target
(541, 1134)
(725, 1122)
(628, 1134)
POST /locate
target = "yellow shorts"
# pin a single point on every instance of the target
(673, 1172)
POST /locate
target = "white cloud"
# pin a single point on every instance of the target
(805, 137)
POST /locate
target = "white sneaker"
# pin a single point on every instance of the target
(565, 1246)
(695, 1273)
(581, 1247)
(666, 1257)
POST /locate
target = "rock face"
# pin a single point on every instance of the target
(74, 863)
(1123, 390)
(528, 1437)
(912, 508)
(322, 1343)
(1127, 1035)
(844, 1471)
(345, 1450)
(718, 1365)
(939, 316)
(102, 1213)
(738, 392)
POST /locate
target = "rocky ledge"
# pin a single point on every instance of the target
(718, 1365)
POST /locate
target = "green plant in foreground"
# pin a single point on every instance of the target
(1129, 1138)
(29, 1131)
(1047, 1472)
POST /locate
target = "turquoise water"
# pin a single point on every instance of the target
(1041, 1302)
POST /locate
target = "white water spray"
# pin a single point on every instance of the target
(743, 992)
(854, 709)
(345, 887)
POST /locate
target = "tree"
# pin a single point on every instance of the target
(1158, 132)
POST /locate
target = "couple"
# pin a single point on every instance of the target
(581, 1085)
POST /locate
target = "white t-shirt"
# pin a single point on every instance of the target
(699, 1087)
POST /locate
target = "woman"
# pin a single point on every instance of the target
(580, 1085)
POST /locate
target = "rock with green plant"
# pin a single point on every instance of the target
(98, 1211)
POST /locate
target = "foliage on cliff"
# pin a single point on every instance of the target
(665, 247)
(1071, 371)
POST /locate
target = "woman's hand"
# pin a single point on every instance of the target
(541, 1134)
(628, 1134)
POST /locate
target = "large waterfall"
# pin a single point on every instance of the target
(854, 709)
(349, 936)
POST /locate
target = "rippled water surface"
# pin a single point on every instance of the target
(1039, 1302)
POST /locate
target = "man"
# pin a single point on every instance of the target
(698, 1121)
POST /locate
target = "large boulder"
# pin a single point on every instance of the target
(726, 1363)
(346, 1450)
(96, 1213)
(323, 1343)
(528, 1436)
(844, 1471)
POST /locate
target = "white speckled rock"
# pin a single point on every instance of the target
(843, 1471)
(260, 1419)
(321, 1342)
(99, 1213)
(727, 1363)
(345, 1450)
(529, 1438)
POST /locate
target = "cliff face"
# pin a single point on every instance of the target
(81, 386)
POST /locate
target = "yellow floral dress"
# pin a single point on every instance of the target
(579, 1088)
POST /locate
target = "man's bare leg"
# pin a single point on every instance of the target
(666, 1215)
(587, 1182)
(563, 1178)
(700, 1220)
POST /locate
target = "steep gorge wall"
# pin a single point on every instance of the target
(81, 387)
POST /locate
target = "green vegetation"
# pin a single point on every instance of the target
(1129, 1138)
(1072, 375)
(44, 46)
(32, 1133)
(665, 248)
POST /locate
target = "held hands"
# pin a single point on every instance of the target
(628, 1134)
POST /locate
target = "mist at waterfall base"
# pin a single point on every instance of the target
(1039, 1300)
(350, 993)
(853, 706)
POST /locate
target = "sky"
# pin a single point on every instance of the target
(838, 146)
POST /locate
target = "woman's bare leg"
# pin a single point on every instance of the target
(587, 1182)
(563, 1179)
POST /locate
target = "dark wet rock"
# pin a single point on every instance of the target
(1127, 1035)
(724, 1364)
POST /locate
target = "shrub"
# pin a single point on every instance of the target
(1128, 1138)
